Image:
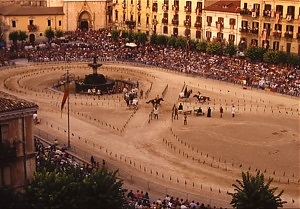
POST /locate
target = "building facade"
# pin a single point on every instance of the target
(220, 21)
(271, 24)
(162, 17)
(17, 151)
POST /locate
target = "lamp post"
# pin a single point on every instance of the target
(67, 78)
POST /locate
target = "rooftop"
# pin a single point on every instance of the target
(17, 10)
(224, 6)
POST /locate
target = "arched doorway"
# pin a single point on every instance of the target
(84, 21)
(32, 38)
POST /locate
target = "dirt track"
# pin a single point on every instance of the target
(200, 160)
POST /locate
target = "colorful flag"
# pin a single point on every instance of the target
(66, 94)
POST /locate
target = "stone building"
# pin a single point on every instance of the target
(271, 24)
(17, 151)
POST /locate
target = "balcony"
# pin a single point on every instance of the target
(139, 7)
(32, 28)
(288, 34)
(154, 9)
(175, 9)
(267, 13)
(254, 31)
(198, 11)
(187, 9)
(165, 7)
(131, 24)
(187, 23)
(175, 21)
(197, 25)
(277, 34)
(124, 5)
(7, 151)
(245, 12)
(244, 30)
(154, 22)
(164, 20)
(219, 25)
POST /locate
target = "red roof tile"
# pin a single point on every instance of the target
(225, 6)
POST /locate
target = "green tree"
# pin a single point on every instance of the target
(115, 35)
(22, 36)
(230, 49)
(162, 40)
(253, 193)
(74, 189)
(180, 42)
(201, 46)
(59, 33)
(214, 48)
(172, 41)
(255, 53)
(153, 39)
(141, 37)
(275, 57)
(49, 33)
(131, 36)
(293, 59)
(14, 37)
(10, 198)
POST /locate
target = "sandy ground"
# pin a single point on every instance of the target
(200, 160)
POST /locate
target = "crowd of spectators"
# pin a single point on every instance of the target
(84, 45)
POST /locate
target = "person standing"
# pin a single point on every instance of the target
(221, 112)
(208, 112)
(155, 112)
(233, 111)
(185, 120)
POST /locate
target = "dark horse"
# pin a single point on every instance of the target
(201, 99)
(155, 101)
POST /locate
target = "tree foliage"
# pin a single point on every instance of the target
(255, 53)
(230, 49)
(201, 46)
(214, 48)
(253, 193)
(274, 57)
(49, 33)
(59, 33)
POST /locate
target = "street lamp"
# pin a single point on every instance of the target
(67, 78)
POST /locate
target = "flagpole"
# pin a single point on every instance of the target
(68, 84)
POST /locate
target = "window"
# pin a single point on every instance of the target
(59, 23)
(124, 16)
(147, 20)
(165, 29)
(175, 31)
(288, 47)
(49, 23)
(231, 38)
(279, 9)
(276, 45)
(245, 6)
(116, 14)
(131, 1)
(291, 10)
(131, 17)
(208, 35)
(3, 133)
(139, 19)
(198, 34)
(187, 32)
(30, 22)
(254, 42)
(209, 20)
(14, 24)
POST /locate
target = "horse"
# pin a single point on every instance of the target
(201, 99)
(155, 101)
(185, 94)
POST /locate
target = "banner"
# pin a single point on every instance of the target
(66, 94)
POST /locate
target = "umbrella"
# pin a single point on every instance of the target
(130, 44)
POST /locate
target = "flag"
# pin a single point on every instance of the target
(66, 94)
